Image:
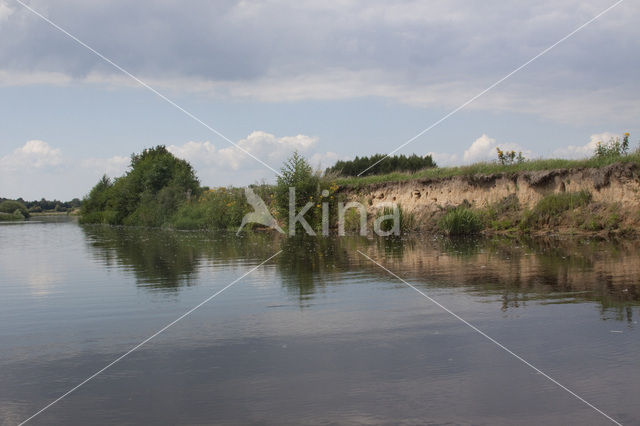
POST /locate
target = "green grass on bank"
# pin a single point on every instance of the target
(489, 168)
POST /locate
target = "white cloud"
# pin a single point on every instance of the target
(22, 78)
(444, 159)
(484, 149)
(586, 150)
(265, 146)
(322, 160)
(230, 165)
(113, 166)
(5, 11)
(34, 154)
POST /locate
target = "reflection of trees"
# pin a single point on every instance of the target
(307, 263)
(515, 271)
(170, 259)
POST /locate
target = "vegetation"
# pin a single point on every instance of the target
(507, 158)
(549, 209)
(13, 210)
(461, 221)
(218, 208)
(147, 195)
(614, 148)
(407, 220)
(163, 191)
(297, 173)
(44, 206)
(489, 168)
(380, 164)
(570, 212)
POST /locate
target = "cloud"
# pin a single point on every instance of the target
(34, 154)
(444, 159)
(265, 146)
(419, 53)
(322, 160)
(586, 150)
(484, 149)
(5, 11)
(113, 166)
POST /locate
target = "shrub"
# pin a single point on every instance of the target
(461, 221)
(221, 208)
(297, 173)
(15, 208)
(148, 194)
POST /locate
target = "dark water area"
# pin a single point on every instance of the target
(319, 334)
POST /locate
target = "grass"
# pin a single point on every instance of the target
(548, 210)
(10, 216)
(407, 221)
(490, 168)
(461, 221)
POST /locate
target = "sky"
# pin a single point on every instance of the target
(330, 79)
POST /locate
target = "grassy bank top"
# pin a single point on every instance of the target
(489, 168)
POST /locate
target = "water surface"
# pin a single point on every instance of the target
(317, 335)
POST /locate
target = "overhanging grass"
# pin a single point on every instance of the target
(490, 168)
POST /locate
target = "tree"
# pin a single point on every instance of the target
(153, 189)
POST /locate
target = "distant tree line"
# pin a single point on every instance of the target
(396, 163)
(47, 205)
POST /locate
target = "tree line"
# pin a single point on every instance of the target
(43, 205)
(378, 164)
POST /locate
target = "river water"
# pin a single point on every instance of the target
(318, 335)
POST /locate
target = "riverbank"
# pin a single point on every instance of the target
(576, 201)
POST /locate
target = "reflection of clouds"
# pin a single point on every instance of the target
(40, 282)
(262, 278)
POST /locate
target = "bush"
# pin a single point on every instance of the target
(15, 208)
(461, 221)
(147, 195)
(384, 165)
(297, 173)
(221, 208)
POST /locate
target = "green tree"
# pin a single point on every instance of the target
(148, 194)
(297, 173)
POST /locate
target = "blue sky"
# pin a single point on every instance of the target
(333, 80)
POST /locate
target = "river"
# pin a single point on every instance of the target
(320, 334)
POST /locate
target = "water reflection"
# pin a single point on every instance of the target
(522, 271)
(517, 272)
(164, 259)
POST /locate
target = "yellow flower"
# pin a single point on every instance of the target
(626, 134)
(317, 206)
